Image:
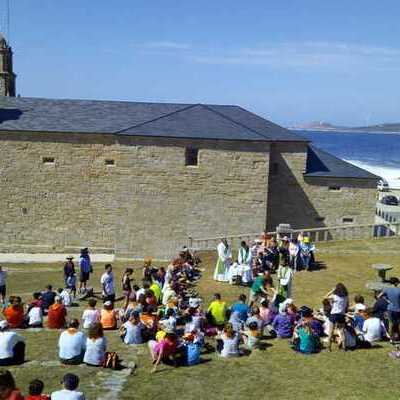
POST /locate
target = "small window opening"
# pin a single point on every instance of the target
(274, 168)
(191, 156)
(347, 220)
(334, 188)
(110, 162)
(320, 219)
(48, 160)
(24, 210)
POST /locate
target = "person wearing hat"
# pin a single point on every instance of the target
(69, 268)
(12, 346)
(306, 249)
(70, 383)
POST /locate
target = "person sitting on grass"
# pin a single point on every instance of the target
(251, 336)
(164, 350)
(66, 296)
(34, 315)
(283, 323)
(132, 330)
(306, 340)
(72, 344)
(12, 346)
(14, 313)
(109, 316)
(48, 297)
(228, 342)
(8, 389)
(241, 307)
(373, 329)
(96, 345)
(56, 316)
(91, 315)
(36, 391)
(70, 384)
(216, 313)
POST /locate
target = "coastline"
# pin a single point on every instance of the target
(326, 130)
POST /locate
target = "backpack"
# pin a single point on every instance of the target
(192, 354)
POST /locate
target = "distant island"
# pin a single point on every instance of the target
(326, 127)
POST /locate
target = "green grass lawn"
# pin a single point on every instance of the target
(276, 372)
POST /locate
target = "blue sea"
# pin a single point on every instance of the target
(378, 153)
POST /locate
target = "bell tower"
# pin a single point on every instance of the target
(7, 76)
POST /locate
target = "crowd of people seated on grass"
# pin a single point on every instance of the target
(163, 309)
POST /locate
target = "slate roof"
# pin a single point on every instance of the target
(323, 164)
(195, 121)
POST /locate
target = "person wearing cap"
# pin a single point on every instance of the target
(69, 268)
(56, 316)
(12, 346)
(224, 261)
(70, 383)
(107, 283)
(306, 249)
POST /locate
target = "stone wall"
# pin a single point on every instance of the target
(146, 204)
(307, 202)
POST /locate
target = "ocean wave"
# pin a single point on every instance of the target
(390, 174)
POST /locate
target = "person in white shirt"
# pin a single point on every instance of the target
(66, 296)
(70, 384)
(3, 277)
(91, 315)
(107, 284)
(35, 317)
(373, 328)
(12, 346)
(72, 344)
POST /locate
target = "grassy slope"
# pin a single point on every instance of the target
(277, 371)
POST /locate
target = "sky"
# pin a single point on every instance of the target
(292, 61)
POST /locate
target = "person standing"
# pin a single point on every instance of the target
(69, 269)
(392, 294)
(285, 278)
(3, 277)
(245, 261)
(107, 284)
(85, 268)
(224, 261)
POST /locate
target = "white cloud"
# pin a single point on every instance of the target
(164, 45)
(306, 54)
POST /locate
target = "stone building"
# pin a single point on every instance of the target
(140, 178)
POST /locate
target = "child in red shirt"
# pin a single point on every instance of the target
(35, 391)
(8, 390)
(56, 315)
